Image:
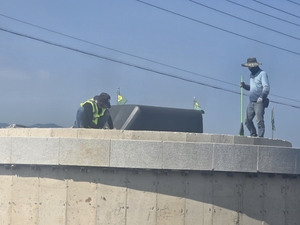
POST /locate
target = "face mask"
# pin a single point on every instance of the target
(254, 69)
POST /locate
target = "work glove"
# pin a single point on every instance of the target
(242, 84)
(259, 100)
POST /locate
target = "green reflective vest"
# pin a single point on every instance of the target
(96, 114)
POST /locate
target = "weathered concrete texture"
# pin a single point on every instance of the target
(86, 176)
(140, 135)
(147, 154)
(127, 196)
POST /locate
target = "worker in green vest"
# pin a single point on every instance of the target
(94, 113)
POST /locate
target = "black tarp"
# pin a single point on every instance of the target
(141, 117)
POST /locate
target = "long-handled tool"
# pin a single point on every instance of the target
(241, 133)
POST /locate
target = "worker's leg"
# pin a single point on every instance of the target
(260, 111)
(249, 119)
(80, 118)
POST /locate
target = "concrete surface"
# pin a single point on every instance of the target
(80, 176)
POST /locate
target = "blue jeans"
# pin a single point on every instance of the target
(80, 118)
(258, 110)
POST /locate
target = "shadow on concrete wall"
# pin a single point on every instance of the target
(274, 200)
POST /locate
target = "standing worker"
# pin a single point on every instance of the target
(94, 113)
(259, 89)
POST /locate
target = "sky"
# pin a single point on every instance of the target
(56, 54)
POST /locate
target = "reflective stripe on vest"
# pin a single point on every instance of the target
(96, 115)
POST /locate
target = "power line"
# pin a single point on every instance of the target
(133, 65)
(247, 21)
(105, 47)
(276, 8)
(219, 28)
(246, 7)
(294, 2)
(225, 31)
(98, 45)
(173, 67)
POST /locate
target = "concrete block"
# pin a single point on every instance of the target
(170, 204)
(225, 199)
(5, 198)
(114, 134)
(271, 142)
(274, 202)
(221, 138)
(111, 198)
(173, 136)
(5, 149)
(143, 135)
(34, 150)
(277, 160)
(243, 140)
(292, 200)
(187, 156)
(53, 197)
(196, 137)
(88, 133)
(141, 198)
(64, 132)
(3, 132)
(81, 203)
(84, 152)
(238, 158)
(39, 132)
(18, 132)
(198, 199)
(136, 154)
(252, 199)
(25, 198)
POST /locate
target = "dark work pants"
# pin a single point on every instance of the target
(258, 110)
(81, 119)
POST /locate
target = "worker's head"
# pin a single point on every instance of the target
(252, 65)
(103, 100)
(251, 62)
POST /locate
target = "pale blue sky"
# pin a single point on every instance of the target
(42, 83)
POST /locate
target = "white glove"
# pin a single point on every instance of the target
(259, 100)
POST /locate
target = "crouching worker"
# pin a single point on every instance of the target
(94, 113)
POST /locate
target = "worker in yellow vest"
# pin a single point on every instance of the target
(94, 113)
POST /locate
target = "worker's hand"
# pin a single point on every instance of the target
(242, 84)
(259, 100)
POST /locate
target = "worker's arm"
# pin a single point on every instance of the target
(88, 116)
(265, 84)
(110, 123)
(245, 86)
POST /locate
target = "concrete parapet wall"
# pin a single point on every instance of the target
(164, 150)
(140, 135)
(82, 176)
(70, 195)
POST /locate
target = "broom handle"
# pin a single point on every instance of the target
(242, 98)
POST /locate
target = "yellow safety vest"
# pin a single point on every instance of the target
(96, 114)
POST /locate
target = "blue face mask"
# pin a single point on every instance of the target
(254, 70)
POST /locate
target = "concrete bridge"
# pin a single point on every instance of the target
(85, 176)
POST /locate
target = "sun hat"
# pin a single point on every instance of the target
(251, 62)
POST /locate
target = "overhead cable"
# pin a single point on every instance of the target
(159, 63)
(276, 8)
(125, 53)
(266, 14)
(115, 50)
(219, 28)
(133, 65)
(247, 21)
(294, 2)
